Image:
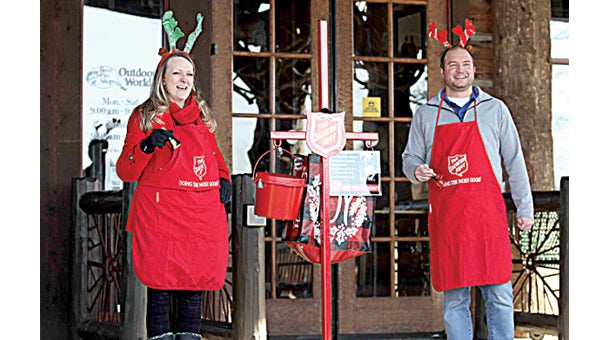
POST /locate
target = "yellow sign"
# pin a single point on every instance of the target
(371, 106)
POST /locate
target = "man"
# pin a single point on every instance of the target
(457, 143)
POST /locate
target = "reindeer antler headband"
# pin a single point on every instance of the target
(442, 36)
(174, 33)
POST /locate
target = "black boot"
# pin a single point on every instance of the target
(165, 336)
(188, 336)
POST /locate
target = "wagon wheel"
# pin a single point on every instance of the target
(217, 304)
(104, 267)
(536, 272)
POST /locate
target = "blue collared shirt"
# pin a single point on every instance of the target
(460, 111)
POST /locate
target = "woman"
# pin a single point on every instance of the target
(177, 215)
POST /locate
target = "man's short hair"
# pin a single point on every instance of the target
(468, 49)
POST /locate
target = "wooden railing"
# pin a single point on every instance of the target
(108, 300)
(540, 265)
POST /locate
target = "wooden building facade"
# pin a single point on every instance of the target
(257, 64)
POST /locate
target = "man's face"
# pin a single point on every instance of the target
(459, 71)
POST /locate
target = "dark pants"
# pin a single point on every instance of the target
(187, 307)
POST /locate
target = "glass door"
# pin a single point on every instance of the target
(383, 69)
(274, 79)
(379, 76)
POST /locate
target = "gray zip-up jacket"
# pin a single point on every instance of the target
(500, 138)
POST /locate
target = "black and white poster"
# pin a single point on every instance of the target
(355, 173)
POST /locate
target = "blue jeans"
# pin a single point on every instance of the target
(499, 312)
(188, 307)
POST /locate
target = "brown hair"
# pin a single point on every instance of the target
(468, 48)
(158, 103)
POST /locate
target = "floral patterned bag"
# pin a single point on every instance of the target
(351, 220)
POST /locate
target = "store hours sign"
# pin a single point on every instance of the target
(117, 76)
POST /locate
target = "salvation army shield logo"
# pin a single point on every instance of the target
(325, 133)
(458, 164)
(199, 166)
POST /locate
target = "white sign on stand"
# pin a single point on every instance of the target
(355, 173)
(120, 54)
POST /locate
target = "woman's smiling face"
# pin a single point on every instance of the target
(178, 79)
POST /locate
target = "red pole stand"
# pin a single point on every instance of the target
(325, 244)
(370, 139)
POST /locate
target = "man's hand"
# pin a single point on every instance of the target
(423, 173)
(524, 223)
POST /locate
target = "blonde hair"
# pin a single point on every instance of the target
(153, 108)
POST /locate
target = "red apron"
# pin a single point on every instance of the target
(178, 223)
(468, 227)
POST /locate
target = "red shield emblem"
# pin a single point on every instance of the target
(325, 133)
(199, 166)
(458, 164)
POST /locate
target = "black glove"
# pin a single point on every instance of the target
(225, 191)
(158, 137)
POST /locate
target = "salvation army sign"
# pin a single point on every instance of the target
(458, 164)
(325, 133)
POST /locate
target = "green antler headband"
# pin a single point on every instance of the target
(192, 37)
(174, 33)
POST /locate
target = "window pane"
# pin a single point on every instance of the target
(401, 131)
(251, 25)
(370, 29)
(241, 137)
(381, 227)
(373, 272)
(382, 128)
(250, 85)
(560, 121)
(403, 192)
(559, 33)
(409, 24)
(560, 9)
(293, 86)
(411, 225)
(293, 26)
(294, 274)
(370, 80)
(412, 269)
(410, 88)
(383, 203)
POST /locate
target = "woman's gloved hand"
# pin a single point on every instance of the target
(158, 137)
(225, 191)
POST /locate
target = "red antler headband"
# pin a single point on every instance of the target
(442, 36)
(465, 35)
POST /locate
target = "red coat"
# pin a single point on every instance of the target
(178, 224)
